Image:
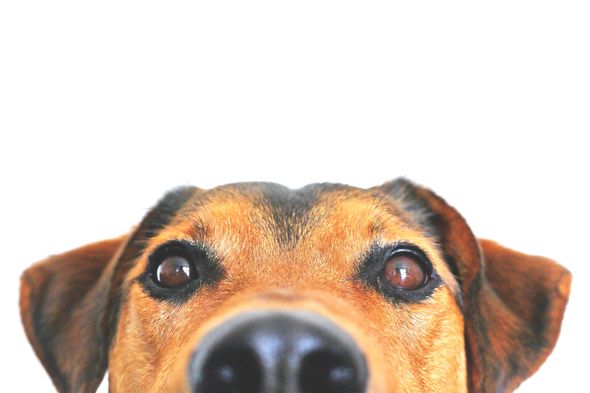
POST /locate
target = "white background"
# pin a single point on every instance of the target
(105, 105)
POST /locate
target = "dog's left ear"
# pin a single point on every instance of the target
(513, 302)
(523, 302)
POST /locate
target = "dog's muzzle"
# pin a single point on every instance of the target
(278, 352)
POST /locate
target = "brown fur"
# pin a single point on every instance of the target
(484, 330)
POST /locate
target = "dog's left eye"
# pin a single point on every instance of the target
(175, 271)
(405, 269)
(402, 272)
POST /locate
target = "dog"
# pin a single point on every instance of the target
(256, 288)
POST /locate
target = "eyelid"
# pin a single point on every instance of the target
(403, 248)
(188, 249)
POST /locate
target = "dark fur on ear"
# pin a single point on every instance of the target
(69, 302)
(62, 302)
(513, 303)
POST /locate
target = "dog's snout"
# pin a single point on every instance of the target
(272, 352)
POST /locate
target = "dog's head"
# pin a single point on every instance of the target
(257, 288)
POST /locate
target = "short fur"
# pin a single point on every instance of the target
(490, 324)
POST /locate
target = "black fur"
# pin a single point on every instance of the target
(290, 209)
(45, 331)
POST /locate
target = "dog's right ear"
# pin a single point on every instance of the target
(62, 309)
(69, 302)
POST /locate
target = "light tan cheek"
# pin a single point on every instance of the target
(135, 364)
(423, 347)
(446, 362)
(443, 355)
(153, 341)
(130, 367)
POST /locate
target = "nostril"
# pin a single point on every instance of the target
(231, 370)
(327, 371)
(272, 352)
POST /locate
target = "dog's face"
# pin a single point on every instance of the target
(257, 288)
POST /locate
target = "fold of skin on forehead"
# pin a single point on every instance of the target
(294, 249)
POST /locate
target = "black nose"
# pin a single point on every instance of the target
(278, 352)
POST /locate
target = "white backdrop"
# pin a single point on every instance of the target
(105, 105)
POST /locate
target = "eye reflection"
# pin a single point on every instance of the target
(174, 272)
(403, 271)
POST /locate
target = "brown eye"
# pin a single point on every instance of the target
(404, 270)
(174, 272)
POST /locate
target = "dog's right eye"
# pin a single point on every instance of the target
(174, 272)
(178, 268)
(174, 265)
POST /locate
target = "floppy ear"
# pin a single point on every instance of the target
(523, 302)
(513, 303)
(63, 301)
(69, 303)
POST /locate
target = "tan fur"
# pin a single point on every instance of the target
(414, 348)
(409, 347)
